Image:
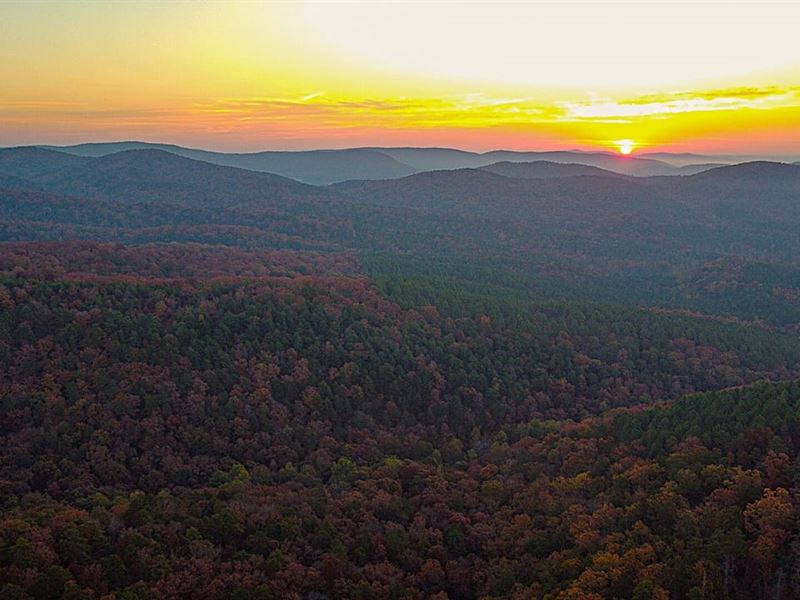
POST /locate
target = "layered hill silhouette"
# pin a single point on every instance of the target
(150, 174)
(762, 173)
(561, 230)
(427, 159)
(314, 166)
(544, 169)
(322, 167)
(152, 195)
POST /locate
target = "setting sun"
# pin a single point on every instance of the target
(626, 146)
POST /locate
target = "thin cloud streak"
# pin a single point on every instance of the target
(684, 102)
(481, 110)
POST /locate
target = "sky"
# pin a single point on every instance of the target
(699, 76)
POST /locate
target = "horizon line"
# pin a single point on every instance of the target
(634, 154)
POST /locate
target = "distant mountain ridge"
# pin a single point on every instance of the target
(682, 159)
(323, 167)
(428, 159)
(140, 196)
(317, 167)
(139, 175)
(761, 172)
(544, 169)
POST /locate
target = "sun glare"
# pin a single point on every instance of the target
(626, 146)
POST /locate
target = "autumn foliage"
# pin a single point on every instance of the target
(183, 421)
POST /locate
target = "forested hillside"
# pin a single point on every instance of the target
(709, 242)
(180, 420)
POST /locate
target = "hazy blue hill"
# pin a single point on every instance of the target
(323, 167)
(314, 166)
(620, 237)
(485, 186)
(97, 149)
(762, 172)
(753, 183)
(434, 186)
(29, 162)
(435, 159)
(666, 156)
(138, 196)
(580, 219)
(543, 169)
(679, 159)
(693, 169)
(627, 165)
(150, 175)
(427, 159)
(684, 159)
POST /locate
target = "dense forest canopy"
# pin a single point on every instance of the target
(505, 382)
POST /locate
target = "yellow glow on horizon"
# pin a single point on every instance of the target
(477, 75)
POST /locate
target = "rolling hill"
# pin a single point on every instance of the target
(758, 172)
(151, 175)
(544, 169)
(428, 159)
(316, 166)
(596, 237)
(321, 167)
(152, 195)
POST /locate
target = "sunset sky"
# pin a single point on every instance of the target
(714, 77)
